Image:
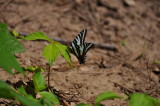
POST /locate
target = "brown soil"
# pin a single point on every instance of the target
(134, 28)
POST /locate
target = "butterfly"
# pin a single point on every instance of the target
(79, 48)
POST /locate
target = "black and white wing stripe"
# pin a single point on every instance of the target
(79, 48)
(80, 38)
(88, 46)
(78, 43)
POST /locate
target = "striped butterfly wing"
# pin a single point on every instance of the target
(78, 43)
(79, 48)
(88, 46)
(80, 38)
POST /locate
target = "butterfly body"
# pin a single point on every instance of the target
(79, 48)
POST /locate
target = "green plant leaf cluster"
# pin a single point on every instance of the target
(136, 99)
(106, 96)
(10, 93)
(101, 97)
(39, 82)
(8, 47)
(143, 100)
(52, 50)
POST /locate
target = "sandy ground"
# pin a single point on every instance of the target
(132, 27)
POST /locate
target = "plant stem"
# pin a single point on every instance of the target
(49, 75)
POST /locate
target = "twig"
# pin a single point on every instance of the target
(5, 4)
(96, 45)
(128, 91)
(49, 75)
(149, 73)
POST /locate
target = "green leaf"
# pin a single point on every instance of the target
(64, 52)
(83, 104)
(45, 102)
(156, 62)
(33, 69)
(98, 104)
(8, 47)
(36, 36)
(24, 100)
(30, 69)
(15, 33)
(39, 81)
(122, 42)
(50, 96)
(143, 100)
(5, 91)
(22, 90)
(105, 96)
(50, 52)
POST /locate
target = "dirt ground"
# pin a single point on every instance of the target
(132, 26)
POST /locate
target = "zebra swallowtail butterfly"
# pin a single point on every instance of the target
(79, 48)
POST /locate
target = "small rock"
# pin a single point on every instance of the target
(156, 71)
(129, 2)
(38, 96)
(73, 104)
